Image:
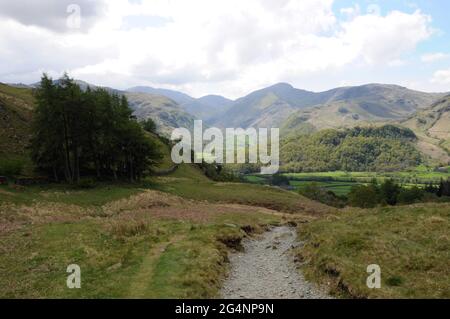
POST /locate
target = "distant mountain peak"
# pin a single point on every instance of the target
(281, 85)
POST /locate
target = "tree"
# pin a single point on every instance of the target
(149, 125)
(78, 132)
(389, 192)
(363, 196)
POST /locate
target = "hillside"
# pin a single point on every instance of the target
(386, 148)
(205, 108)
(349, 107)
(165, 112)
(281, 105)
(15, 115)
(432, 126)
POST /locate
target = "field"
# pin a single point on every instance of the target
(341, 182)
(410, 244)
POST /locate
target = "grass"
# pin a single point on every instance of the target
(143, 246)
(188, 182)
(100, 195)
(410, 244)
(15, 116)
(129, 240)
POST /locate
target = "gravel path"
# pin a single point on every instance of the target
(266, 270)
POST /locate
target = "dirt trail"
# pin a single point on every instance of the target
(266, 270)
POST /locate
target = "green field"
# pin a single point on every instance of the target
(341, 182)
(339, 188)
(419, 176)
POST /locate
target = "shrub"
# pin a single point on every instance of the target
(10, 167)
(410, 196)
(86, 183)
(279, 180)
(314, 192)
(394, 281)
(389, 192)
(149, 125)
(363, 196)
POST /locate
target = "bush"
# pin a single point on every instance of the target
(410, 196)
(389, 192)
(86, 183)
(279, 180)
(149, 125)
(10, 168)
(314, 192)
(364, 196)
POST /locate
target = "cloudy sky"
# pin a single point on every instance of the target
(228, 47)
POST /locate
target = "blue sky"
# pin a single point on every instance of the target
(229, 47)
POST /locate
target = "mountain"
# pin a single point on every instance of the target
(267, 107)
(166, 113)
(176, 96)
(205, 108)
(282, 105)
(208, 108)
(432, 126)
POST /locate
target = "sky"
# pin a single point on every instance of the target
(228, 47)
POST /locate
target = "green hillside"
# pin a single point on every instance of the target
(165, 112)
(336, 108)
(16, 106)
(385, 148)
(432, 127)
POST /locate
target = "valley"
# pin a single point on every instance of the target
(173, 232)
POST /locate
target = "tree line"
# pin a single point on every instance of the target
(87, 133)
(391, 193)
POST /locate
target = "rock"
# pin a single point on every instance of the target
(114, 267)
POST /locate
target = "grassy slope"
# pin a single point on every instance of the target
(153, 244)
(198, 187)
(431, 127)
(119, 255)
(15, 115)
(410, 244)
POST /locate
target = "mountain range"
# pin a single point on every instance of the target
(297, 111)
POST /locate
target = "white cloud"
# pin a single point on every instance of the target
(433, 57)
(227, 47)
(441, 77)
(52, 14)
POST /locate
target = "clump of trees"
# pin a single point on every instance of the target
(87, 133)
(443, 189)
(218, 172)
(279, 180)
(390, 193)
(315, 192)
(386, 148)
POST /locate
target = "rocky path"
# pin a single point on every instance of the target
(265, 269)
